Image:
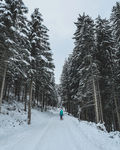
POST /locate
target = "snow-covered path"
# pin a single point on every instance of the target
(47, 132)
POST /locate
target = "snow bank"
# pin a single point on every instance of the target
(12, 115)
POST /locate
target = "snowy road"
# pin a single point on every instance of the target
(47, 132)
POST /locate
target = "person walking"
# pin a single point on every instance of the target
(61, 114)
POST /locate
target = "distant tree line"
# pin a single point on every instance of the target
(26, 63)
(90, 80)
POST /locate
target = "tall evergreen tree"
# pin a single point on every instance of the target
(65, 83)
(83, 71)
(12, 35)
(115, 20)
(41, 72)
(104, 56)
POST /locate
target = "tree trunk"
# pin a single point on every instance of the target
(42, 107)
(79, 113)
(25, 98)
(5, 91)
(2, 87)
(96, 102)
(95, 94)
(30, 101)
(37, 102)
(100, 104)
(22, 95)
(18, 95)
(113, 120)
(117, 112)
(69, 106)
(8, 93)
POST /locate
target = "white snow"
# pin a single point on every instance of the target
(31, 58)
(48, 132)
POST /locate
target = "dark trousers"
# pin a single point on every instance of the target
(61, 117)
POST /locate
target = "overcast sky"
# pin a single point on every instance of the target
(59, 17)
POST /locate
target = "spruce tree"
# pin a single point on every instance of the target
(12, 18)
(115, 20)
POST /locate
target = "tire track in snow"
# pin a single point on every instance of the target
(57, 137)
(42, 136)
(29, 140)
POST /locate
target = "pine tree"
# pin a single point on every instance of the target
(11, 22)
(85, 68)
(104, 56)
(65, 83)
(41, 72)
(115, 20)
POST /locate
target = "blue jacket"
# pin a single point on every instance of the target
(61, 112)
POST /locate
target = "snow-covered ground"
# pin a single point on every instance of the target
(48, 132)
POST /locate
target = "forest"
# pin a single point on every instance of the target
(90, 81)
(26, 63)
